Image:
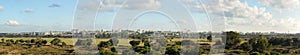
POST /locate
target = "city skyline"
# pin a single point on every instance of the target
(239, 15)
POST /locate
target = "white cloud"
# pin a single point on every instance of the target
(142, 4)
(1, 7)
(242, 17)
(12, 23)
(28, 10)
(111, 5)
(281, 4)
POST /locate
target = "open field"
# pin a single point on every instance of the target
(123, 42)
(71, 41)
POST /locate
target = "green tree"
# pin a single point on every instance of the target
(44, 42)
(104, 44)
(246, 46)
(22, 41)
(295, 42)
(32, 40)
(55, 41)
(232, 39)
(134, 42)
(259, 44)
(209, 37)
(288, 42)
(173, 50)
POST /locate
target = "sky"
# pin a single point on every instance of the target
(168, 15)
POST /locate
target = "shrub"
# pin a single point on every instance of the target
(55, 41)
(44, 42)
(134, 42)
(104, 44)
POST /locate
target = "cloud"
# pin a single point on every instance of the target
(12, 23)
(281, 4)
(28, 10)
(112, 5)
(142, 4)
(1, 7)
(54, 5)
(240, 16)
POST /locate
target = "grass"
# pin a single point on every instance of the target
(71, 41)
(123, 42)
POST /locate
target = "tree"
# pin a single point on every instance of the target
(259, 44)
(104, 44)
(288, 42)
(38, 42)
(55, 41)
(134, 42)
(173, 50)
(9, 42)
(209, 37)
(141, 49)
(295, 42)
(32, 40)
(232, 39)
(44, 42)
(22, 41)
(113, 49)
(246, 46)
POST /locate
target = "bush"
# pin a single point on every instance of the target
(134, 42)
(32, 40)
(173, 50)
(104, 44)
(55, 41)
(44, 42)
